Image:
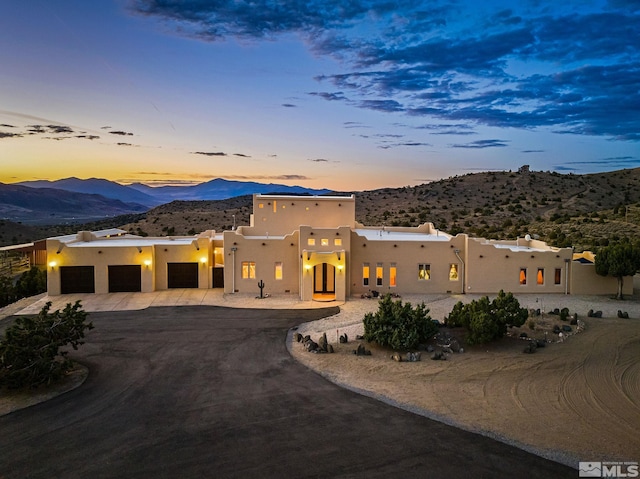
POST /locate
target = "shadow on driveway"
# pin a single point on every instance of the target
(212, 392)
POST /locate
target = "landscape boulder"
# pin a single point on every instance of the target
(361, 351)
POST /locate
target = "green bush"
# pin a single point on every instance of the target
(486, 321)
(30, 352)
(7, 291)
(397, 325)
(31, 282)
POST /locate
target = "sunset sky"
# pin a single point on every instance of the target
(347, 95)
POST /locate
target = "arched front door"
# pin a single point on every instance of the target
(324, 279)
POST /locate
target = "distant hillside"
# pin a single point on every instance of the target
(47, 205)
(106, 188)
(585, 211)
(567, 210)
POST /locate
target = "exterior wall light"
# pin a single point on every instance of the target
(52, 265)
(147, 262)
(307, 267)
(203, 260)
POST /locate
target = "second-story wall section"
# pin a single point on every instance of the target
(278, 215)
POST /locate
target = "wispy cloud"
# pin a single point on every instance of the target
(121, 133)
(481, 144)
(209, 153)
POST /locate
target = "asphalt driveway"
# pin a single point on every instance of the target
(181, 392)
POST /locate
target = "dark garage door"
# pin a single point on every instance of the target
(125, 278)
(77, 279)
(182, 275)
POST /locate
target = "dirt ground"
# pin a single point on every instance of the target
(575, 400)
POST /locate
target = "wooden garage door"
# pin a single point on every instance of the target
(77, 279)
(125, 278)
(182, 275)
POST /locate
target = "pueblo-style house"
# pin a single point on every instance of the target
(313, 248)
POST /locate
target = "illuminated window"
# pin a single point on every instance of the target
(424, 272)
(540, 277)
(248, 270)
(278, 270)
(379, 274)
(558, 276)
(337, 242)
(453, 272)
(365, 274)
(523, 275)
(311, 241)
(260, 205)
(324, 242)
(392, 275)
(275, 206)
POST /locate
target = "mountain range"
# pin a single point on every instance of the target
(216, 189)
(73, 200)
(584, 211)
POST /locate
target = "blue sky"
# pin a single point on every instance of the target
(345, 95)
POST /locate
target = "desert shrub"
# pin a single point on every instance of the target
(486, 321)
(31, 282)
(30, 352)
(7, 291)
(397, 325)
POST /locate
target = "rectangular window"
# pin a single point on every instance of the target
(324, 242)
(311, 242)
(393, 270)
(424, 272)
(365, 274)
(278, 271)
(453, 272)
(379, 274)
(558, 276)
(523, 275)
(540, 276)
(248, 270)
(337, 242)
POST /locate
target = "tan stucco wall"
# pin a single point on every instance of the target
(280, 215)
(492, 269)
(584, 280)
(406, 256)
(100, 258)
(265, 252)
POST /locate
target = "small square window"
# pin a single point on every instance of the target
(248, 270)
(337, 242)
(424, 272)
(324, 242)
(311, 241)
